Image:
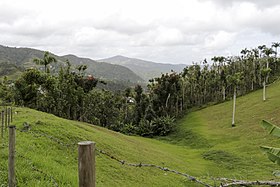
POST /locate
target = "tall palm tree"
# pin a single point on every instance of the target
(235, 80)
(268, 52)
(47, 59)
(265, 73)
(276, 45)
(261, 48)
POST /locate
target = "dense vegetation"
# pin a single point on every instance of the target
(73, 95)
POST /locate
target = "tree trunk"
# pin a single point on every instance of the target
(177, 106)
(267, 64)
(126, 109)
(224, 93)
(264, 98)
(233, 111)
(167, 99)
(252, 85)
(183, 97)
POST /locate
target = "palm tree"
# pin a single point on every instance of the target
(47, 59)
(235, 80)
(276, 45)
(265, 73)
(268, 52)
(261, 48)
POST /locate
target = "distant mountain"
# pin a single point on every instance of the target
(105, 70)
(145, 69)
(17, 59)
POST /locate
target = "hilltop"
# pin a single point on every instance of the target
(204, 145)
(145, 69)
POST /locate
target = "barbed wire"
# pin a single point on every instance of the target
(34, 168)
(123, 162)
(234, 182)
(225, 182)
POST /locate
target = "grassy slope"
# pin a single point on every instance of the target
(235, 151)
(204, 145)
(59, 162)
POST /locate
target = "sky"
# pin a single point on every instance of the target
(166, 31)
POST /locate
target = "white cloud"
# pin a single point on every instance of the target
(161, 30)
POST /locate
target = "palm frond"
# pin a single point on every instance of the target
(272, 129)
(273, 153)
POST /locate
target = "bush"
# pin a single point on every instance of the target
(162, 126)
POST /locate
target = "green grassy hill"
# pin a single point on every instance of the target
(204, 145)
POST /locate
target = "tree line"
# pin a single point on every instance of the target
(73, 95)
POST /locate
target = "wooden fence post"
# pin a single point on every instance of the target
(6, 112)
(86, 161)
(2, 122)
(9, 116)
(12, 143)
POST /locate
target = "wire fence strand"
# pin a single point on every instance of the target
(224, 182)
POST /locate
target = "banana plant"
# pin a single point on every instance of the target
(272, 152)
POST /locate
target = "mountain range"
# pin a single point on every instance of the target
(14, 60)
(22, 58)
(145, 69)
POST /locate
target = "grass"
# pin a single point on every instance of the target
(204, 145)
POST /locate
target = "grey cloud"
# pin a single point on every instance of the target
(259, 3)
(122, 25)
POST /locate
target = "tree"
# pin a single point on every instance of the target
(265, 73)
(268, 52)
(235, 80)
(47, 59)
(276, 45)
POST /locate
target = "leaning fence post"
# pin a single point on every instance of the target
(86, 161)
(12, 143)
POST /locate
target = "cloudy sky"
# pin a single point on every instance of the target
(174, 31)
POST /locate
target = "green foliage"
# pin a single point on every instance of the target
(265, 72)
(272, 153)
(272, 129)
(162, 126)
(47, 59)
(235, 79)
(6, 92)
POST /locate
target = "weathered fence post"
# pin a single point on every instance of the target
(6, 116)
(12, 143)
(86, 164)
(2, 123)
(9, 116)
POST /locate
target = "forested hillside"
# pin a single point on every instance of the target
(145, 69)
(22, 58)
(73, 94)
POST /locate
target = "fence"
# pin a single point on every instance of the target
(86, 160)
